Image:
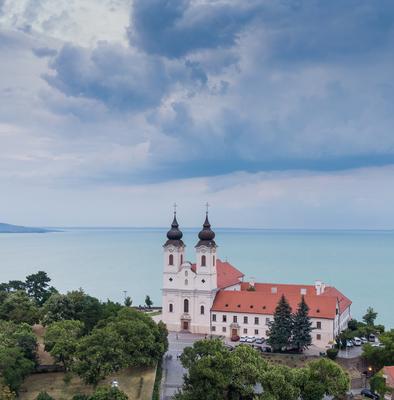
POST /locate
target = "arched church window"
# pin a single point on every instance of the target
(171, 259)
(181, 259)
(186, 273)
(186, 305)
(170, 307)
(202, 310)
(186, 282)
(203, 261)
(214, 260)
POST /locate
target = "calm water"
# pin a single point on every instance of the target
(105, 262)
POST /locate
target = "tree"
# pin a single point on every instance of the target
(280, 331)
(148, 301)
(302, 327)
(108, 393)
(98, 355)
(61, 339)
(377, 357)
(57, 308)
(18, 307)
(279, 383)
(378, 384)
(37, 287)
(370, 316)
(128, 302)
(322, 377)
(44, 396)
(14, 367)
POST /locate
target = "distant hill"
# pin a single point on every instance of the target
(7, 228)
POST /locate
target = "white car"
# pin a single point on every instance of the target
(242, 339)
(250, 339)
(357, 341)
(349, 343)
(260, 340)
(364, 339)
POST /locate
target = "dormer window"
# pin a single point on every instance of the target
(274, 290)
(203, 261)
(303, 291)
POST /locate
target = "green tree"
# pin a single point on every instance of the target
(108, 393)
(57, 308)
(148, 301)
(378, 357)
(302, 327)
(322, 377)
(98, 355)
(18, 307)
(128, 302)
(279, 383)
(370, 316)
(14, 367)
(280, 330)
(37, 287)
(44, 396)
(378, 384)
(61, 339)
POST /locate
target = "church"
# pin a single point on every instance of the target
(210, 296)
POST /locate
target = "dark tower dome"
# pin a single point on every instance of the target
(174, 235)
(206, 235)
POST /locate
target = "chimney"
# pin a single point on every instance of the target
(251, 282)
(319, 287)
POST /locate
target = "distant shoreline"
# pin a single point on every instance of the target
(8, 228)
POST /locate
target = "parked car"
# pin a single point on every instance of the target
(229, 347)
(357, 341)
(250, 339)
(260, 340)
(371, 395)
(265, 349)
(349, 343)
(371, 338)
(364, 339)
(234, 338)
(242, 339)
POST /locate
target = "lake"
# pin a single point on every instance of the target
(105, 262)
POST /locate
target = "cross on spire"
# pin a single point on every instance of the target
(175, 206)
(207, 205)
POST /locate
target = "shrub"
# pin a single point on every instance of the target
(44, 396)
(80, 396)
(332, 353)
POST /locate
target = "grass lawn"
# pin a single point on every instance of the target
(137, 383)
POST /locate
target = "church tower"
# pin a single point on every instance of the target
(174, 248)
(206, 257)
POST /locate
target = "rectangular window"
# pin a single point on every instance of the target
(256, 320)
(256, 331)
(267, 321)
(224, 329)
(235, 319)
(245, 320)
(246, 331)
(214, 317)
(318, 336)
(318, 325)
(213, 328)
(224, 318)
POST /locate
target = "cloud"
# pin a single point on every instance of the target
(44, 52)
(174, 28)
(112, 74)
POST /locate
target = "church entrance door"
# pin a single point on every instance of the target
(185, 325)
(234, 332)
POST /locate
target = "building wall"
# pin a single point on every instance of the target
(321, 337)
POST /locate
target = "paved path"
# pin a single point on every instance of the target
(172, 369)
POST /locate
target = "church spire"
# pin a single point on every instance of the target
(174, 235)
(206, 235)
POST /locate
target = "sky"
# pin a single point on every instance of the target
(280, 114)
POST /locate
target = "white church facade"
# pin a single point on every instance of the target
(211, 297)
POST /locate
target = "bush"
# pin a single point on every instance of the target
(80, 396)
(332, 353)
(44, 396)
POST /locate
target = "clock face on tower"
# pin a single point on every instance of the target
(171, 249)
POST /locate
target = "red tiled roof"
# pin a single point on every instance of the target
(389, 372)
(227, 274)
(259, 302)
(289, 289)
